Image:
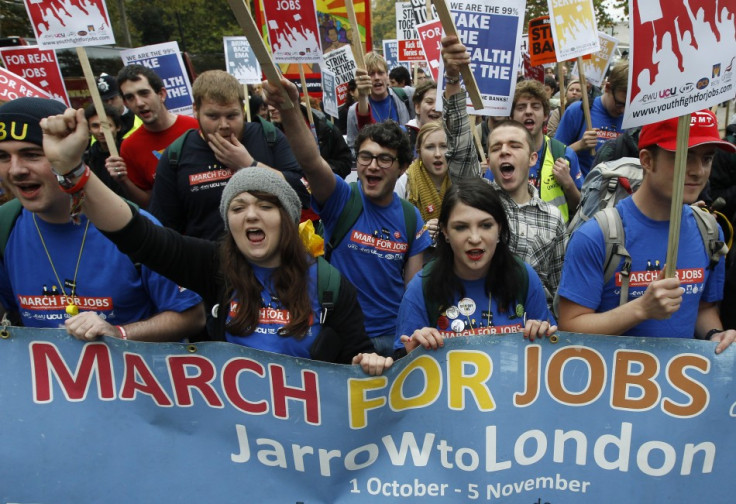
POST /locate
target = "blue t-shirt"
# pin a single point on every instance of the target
(372, 255)
(473, 314)
(572, 126)
(646, 242)
(273, 316)
(107, 282)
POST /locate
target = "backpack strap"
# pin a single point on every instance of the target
(558, 149)
(410, 222)
(610, 223)
(9, 213)
(432, 307)
(404, 98)
(708, 227)
(348, 217)
(174, 149)
(269, 131)
(328, 287)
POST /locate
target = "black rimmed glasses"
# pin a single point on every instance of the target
(382, 160)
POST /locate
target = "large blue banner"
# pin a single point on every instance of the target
(487, 418)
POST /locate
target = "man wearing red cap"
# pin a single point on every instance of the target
(683, 307)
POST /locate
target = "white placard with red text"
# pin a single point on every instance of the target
(293, 31)
(681, 60)
(38, 66)
(60, 24)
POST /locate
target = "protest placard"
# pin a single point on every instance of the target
(574, 28)
(411, 50)
(542, 47)
(419, 11)
(596, 64)
(405, 22)
(165, 59)
(682, 58)
(241, 61)
(293, 31)
(430, 36)
(60, 24)
(488, 418)
(391, 54)
(329, 93)
(14, 86)
(491, 29)
(38, 66)
(342, 63)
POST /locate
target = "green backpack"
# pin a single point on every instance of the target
(349, 216)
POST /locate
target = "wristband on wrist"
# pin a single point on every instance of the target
(254, 163)
(710, 333)
(451, 80)
(67, 184)
(123, 334)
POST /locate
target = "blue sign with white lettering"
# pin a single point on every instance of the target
(486, 418)
(165, 59)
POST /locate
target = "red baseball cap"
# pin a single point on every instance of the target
(703, 131)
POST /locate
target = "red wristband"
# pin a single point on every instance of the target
(80, 183)
(123, 334)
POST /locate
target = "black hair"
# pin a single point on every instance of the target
(503, 273)
(401, 75)
(112, 113)
(134, 73)
(387, 134)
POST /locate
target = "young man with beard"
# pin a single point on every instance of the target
(655, 306)
(377, 102)
(56, 268)
(378, 254)
(144, 93)
(190, 181)
(537, 227)
(557, 178)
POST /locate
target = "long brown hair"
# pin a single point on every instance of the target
(290, 279)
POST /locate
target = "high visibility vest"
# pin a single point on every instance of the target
(550, 189)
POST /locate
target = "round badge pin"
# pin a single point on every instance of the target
(443, 322)
(519, 310)
(466, 306)
(458, 326)
(452, 312)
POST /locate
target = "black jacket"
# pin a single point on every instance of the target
(194, 263)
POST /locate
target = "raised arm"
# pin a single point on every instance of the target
(316, 169)
(64, 141)
(462, 156)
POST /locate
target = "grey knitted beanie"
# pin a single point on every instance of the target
(264, 180)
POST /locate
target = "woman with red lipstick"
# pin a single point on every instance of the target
(475, 285)
(260, 279)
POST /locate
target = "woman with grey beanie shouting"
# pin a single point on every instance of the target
(268, 292)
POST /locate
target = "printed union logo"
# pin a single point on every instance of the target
(703, 83)
(82, 33)
(716, 70)
(687, 87)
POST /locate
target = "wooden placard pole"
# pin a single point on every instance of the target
(443, 12)
(678, 183)
(476, 138)
(246, 102)
(563, 87)
(584, 94)
(356, 43)
(97, 100)
(303, 80)
(251, 32)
